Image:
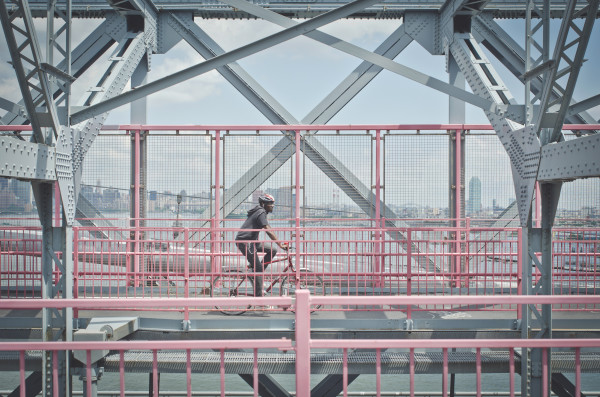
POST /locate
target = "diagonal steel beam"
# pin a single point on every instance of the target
(27, 62)
(221, 60)
(512, 56)
(83, 56)
(284, 149)
(521, 143)
(570, 36)
(371, 57)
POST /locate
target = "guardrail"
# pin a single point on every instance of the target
(350, 261)
(304, 346)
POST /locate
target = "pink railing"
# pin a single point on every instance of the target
(183, 262)
(303, 344)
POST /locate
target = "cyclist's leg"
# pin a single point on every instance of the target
(251, 253)
(269, 249)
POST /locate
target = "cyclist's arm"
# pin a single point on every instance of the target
(273, 237)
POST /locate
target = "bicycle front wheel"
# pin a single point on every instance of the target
(230, 284)
(308, 280)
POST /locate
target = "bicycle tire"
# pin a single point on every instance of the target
(232, 283)
(308, 280)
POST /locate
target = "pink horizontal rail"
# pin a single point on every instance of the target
(303, 127)
(282, 344)
(141, 303)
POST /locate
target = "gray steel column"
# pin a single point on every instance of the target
(139, 116)
(456, 116)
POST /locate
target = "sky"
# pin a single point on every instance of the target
(299, 74)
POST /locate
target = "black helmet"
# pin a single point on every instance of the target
(266, 199)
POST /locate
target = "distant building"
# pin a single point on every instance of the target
(474, 203)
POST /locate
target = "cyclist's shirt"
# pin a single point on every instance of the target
(257, 219)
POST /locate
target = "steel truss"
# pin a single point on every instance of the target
(458, 30)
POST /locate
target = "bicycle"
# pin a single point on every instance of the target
(233, 282)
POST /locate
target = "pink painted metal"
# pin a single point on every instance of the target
(216, 221)
(57, 213)
(378, 372)
(578, 372)
(88, 372)
(55, 373)
(155, 373)
(302, 343)
(222, 372)
(297, 138)
(122, 372)
(255, 373)
(545, 372)
(478, 370)
(511, 370)
(411, 366)
(22, 373)
(345, 372)
(136, 206)
(188, 371)
(445, 373)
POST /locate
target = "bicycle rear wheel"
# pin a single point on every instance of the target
(308, 280)
(232, 283)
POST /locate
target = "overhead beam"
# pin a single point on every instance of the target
(552, 111)
(569, 160)
(371, 57)
(512, 56)
(221, 60)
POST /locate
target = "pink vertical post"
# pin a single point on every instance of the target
(217, 218)
(255, 373)
(55, 372)
(22, 372)
(88, 372)
(188, 368)
(136, 210)
(445, 374)
(545, 371)
(578, 372)
(222, 370)
(155, 373)
(186, 270)
(538, 205)
(302, 343)
(519, 269)
(57, 213)
(411, 365)
(297, 204)
(511, 369)
(409, 270)
(75, 268)
(345, 373)
(457, 202)
(378, 267)
(122, 372)
(478, 371)
(378, 372)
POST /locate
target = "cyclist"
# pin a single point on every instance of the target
(247, 240)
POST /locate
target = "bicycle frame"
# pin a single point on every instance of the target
(267, 289)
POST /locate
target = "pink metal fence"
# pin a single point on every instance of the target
(351, 261)
(304, 345)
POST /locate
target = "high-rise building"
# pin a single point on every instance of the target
(474, 203)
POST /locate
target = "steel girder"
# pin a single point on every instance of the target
(521, 143)
(282, 150)
(552, 112)
(512, 56)
(82, 57)
(220, 60)
(304, 8)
